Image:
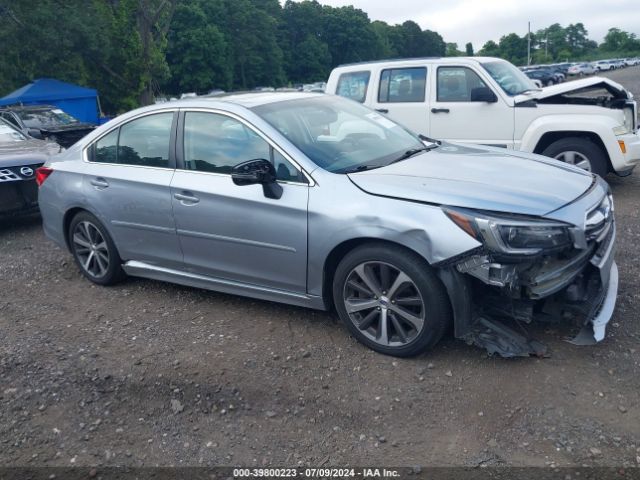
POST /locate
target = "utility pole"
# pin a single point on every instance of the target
(546, 44)
(528, 43)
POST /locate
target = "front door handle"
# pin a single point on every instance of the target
(186, 198)
(439, 110)
(382, 110)
(100, 183)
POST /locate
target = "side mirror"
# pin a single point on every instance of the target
(258, 171)
(483, 94)
(35, 133)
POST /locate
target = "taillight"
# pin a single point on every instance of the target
(42, 174)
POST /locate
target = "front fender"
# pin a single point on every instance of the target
(344, 213)
(600, 125)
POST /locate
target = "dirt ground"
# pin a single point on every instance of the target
(147, 373)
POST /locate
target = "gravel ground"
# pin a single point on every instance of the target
(147, 373)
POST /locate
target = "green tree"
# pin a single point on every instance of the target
(347, 33)
(196, 51)
(513, 48)
(469, 49)
(254, 51)
(153, 18)
(619, 41)
(490, 49)
(452, 50)
(306, 54)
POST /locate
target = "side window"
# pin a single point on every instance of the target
(285, 171)
(146, 141)
(10, 118)
(456, 83)
(217, 143)
(402, 85)
(106, 149)
(353, 85)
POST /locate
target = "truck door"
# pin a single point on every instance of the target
(457, 115)
(401, 94)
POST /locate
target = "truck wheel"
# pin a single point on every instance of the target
(580, 152)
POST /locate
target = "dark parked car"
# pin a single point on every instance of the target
(546, 77)
(46, 122)
(20, 156)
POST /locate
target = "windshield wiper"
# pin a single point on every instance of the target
(413, 151)
(360, 168)
(529, 90)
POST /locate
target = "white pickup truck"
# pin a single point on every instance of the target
(590, 122)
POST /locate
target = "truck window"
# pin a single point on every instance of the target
(455, 84)
(353, 85)
(399, 85)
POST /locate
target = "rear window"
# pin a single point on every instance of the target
(353, 85)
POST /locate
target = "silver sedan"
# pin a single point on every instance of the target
(317, 201)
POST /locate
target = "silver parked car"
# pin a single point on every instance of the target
(317, 201)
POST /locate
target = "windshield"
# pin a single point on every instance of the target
(510, 79)
(340, 135)
(49, 118)
(9, 134)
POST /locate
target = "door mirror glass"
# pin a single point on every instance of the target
(35, 133)
(483, 94)
(258, 171)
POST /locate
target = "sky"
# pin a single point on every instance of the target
(477, 21)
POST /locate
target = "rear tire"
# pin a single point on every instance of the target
(397, 305)
(577, 151)
(94, 251)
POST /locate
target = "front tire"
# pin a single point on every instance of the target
(580, 152)
(391, 300)
(94, 251)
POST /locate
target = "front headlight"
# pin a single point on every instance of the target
(511, 234)
(628, 124)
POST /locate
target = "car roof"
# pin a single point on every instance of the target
(248, 100)
(27, 107)
(418, 60)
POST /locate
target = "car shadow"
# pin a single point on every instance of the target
(15, 223)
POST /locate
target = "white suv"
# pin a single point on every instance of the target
(591, 122)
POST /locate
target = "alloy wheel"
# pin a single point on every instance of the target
(575, 158)
(91, 249)
(384, 303)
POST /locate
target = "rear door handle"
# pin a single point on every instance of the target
(382, 110)
(186, 198)
(439, 110)
(100, 183)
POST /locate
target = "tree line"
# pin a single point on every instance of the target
(130, 50)
(561, 44)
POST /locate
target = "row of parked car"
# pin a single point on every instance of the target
(547, 75)
(347, 203)
(29, 135)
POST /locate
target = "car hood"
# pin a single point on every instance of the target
(67, 128)
(27, 152)
(481, 178)
(575, 85)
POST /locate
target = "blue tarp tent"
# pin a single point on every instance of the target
(80, 102)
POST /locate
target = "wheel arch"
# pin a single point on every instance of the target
(68, 217)
(340, 251)
(549, 138)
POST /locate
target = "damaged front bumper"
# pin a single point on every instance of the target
(494, 298)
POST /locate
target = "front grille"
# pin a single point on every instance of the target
(7, 175)
(599, 220)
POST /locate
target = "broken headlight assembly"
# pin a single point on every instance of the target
(512, 235)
